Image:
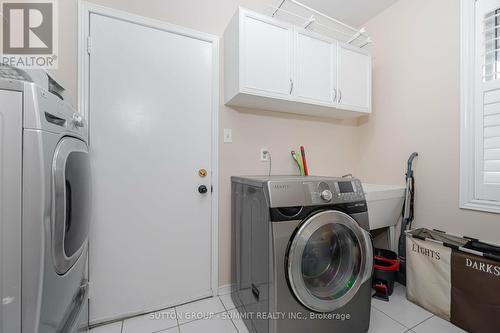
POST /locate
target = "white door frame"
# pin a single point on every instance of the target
(85, 9)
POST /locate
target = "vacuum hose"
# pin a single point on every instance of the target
(409, 170)
(408, 211)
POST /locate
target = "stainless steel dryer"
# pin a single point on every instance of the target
(44, 217)
(303, 257)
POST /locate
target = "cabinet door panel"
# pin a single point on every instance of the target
(355, 78)
(315, 68)
(266, 56)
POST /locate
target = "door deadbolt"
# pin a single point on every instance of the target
(202, 173)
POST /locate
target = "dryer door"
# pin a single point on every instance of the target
(328, 260)
(70, 219)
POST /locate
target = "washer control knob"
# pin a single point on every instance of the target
(326, 195)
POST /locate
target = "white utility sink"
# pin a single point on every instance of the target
(385, 205)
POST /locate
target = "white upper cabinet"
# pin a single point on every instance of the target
(315, 68)
(276, 66)
(354, 78)
(266, 55)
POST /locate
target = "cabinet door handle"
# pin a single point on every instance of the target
(291, 86)
(340, 95)
(335, 96)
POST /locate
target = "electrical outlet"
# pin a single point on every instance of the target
(264, 154)
(228, 135)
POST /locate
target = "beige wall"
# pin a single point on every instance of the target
(331, 145)
(416, 100)
(416, 108)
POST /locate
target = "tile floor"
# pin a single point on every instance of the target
(397, 316)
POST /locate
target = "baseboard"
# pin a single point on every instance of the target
(105, 321)
(222, 290)
(225, 289)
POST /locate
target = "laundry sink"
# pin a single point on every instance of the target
(385, 205)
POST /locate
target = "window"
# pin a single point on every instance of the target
(480, 130)
(490, 33)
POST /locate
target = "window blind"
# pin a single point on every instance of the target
(488, 100)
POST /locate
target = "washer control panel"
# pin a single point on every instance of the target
(338, 191)
(286, 191)
(349, 190)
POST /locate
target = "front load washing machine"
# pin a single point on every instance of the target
(44, 216)
(302, 254)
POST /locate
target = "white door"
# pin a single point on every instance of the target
(151, 115)
(266, 56)
(354, 78)
(316, 68)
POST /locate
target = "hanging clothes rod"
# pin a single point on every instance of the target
(316, 23)
(310, 21)
(368, 41)
(354, 34)
(278, 8)
(315, 12)
(357, 35)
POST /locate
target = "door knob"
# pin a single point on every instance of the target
(202, 189)
(77, 120)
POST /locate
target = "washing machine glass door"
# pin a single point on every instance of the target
(71, 181)
(329, 258)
